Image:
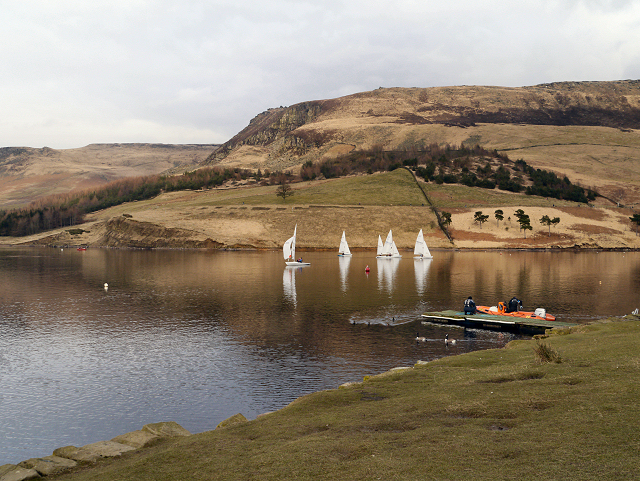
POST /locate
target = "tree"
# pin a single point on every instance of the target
(284, 190)
(546, 220)
(525, 224)
(480, 218)
(446, 218)
(499, 215)
(636, 220)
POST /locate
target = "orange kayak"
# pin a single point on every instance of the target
(499, 310)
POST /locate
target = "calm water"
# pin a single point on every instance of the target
(196, 337)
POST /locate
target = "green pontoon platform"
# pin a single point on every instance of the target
(521, 325)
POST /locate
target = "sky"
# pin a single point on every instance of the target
(76, 72)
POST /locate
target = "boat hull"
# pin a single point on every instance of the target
(521, 314)
(297, 264)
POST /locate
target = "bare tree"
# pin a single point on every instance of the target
(284, 190)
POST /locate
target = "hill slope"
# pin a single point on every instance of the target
(365, 206)
(27, 173)
(585, 130)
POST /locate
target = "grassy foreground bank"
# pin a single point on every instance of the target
(497, 414)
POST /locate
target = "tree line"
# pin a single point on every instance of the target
(62, 210)
(471, 166)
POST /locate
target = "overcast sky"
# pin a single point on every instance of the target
(79, 72)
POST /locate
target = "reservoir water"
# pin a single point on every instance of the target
(198, 336)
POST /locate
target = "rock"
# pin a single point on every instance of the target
(49, 465)
(108, 449)
(11, 472)
(169, 429)
(137, 439)
(79, 455)
(348, 384)
(5, 468)
(235, 419)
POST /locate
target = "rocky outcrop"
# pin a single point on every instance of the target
(272, 125)
(68, 457)
(235, 419)
(125, 232)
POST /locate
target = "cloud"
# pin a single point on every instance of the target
(197, 71)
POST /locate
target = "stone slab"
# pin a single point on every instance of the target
(168, 429)
(108, 449)
(49, 465)
(19, 474)
(137, 439)
(235, 419)
(79, 455)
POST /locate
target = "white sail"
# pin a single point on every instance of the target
(344, 247)
(388, 245)
(380, 245)
(289, 251)
(421, 250)
(289, 248)
(389, 249)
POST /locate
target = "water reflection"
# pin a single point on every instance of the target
(344, 271)
(421, 270)
(196, 337)
(387, 271)
(289, 284)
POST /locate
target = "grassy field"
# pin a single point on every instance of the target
(497, 414)
(388, 188)
(365, 206)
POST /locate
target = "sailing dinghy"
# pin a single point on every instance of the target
(389, 249)
(289, 251)
(344, 250)
(421, 251)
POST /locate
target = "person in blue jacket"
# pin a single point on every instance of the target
(469, 306)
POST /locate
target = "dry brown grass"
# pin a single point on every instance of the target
(33, 173)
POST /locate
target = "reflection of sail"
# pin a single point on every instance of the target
(387, 269)
(344, 271)
(289, 284)
(421, 269)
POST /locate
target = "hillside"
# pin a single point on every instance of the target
(27, 173)
(364, 205)
(587, 131)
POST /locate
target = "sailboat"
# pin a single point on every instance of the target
(389, 249)
(344, 251)
(380, 247)
(289, 251)
(421, 251)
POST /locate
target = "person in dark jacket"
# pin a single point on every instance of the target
(514, 305)
(469, 306)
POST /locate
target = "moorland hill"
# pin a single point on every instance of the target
(587, 131)
(27, 173)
